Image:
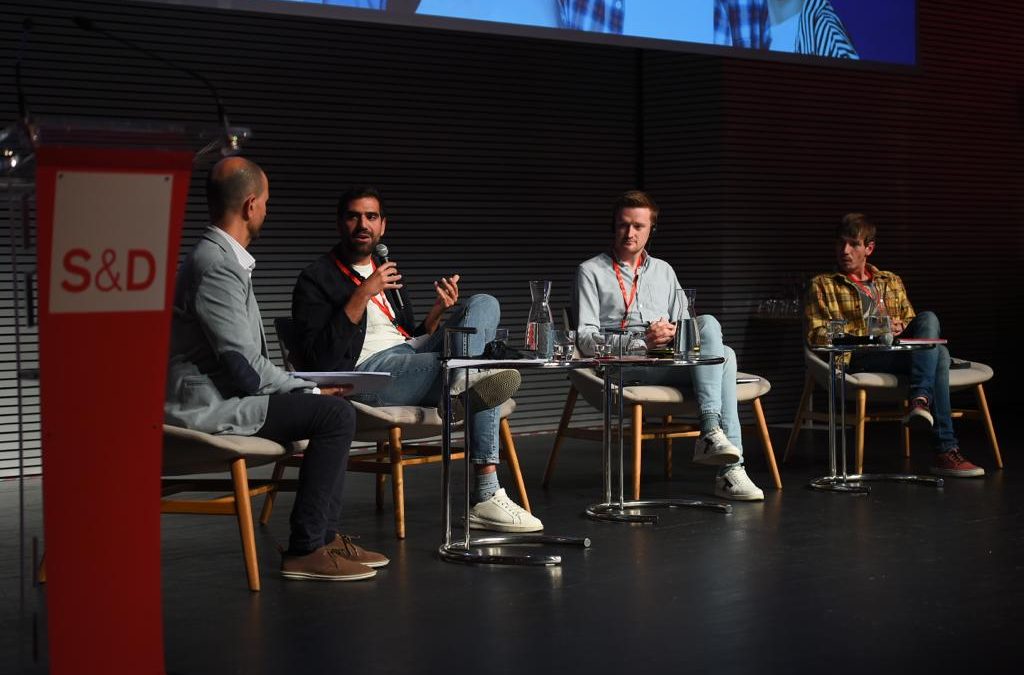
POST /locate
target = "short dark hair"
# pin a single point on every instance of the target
(856, 226)
(358, 192)
(226, 191)
(635, 199)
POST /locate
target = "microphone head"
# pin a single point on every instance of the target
(381, 250)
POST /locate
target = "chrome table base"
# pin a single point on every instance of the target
(853, 483)
(461, 552)
(616, 512)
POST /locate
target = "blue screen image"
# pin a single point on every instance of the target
(873, 30)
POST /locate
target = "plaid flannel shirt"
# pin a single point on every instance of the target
(597, 16)
(834, 296)
(743, 23)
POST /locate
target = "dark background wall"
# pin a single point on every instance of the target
(500, 156)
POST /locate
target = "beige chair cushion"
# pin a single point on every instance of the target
(659, 399)
(191, 452)
(965, 378)
(889, 387)
(373, 422)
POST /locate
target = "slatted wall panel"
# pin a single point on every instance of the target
(19, 397)
(497, 154)
(755, 162)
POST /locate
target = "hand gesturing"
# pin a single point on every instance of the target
(447, 290)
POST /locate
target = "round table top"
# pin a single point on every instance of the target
(899, 347)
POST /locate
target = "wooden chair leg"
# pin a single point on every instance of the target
(638, 430)
(862, 405)
(668, 451)
(801, 412)
(268, 501)
(243, 507)
(570, 405)
(397, 479)
(766, 442)
(380, 478)
(508, 449)
(904, 432)
(989, 427)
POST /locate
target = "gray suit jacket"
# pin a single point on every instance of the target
(219, 375)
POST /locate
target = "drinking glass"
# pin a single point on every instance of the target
(637, 344)
(565, 343)
(615, 343)
(836, 328)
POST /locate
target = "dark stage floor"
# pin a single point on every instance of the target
(909, 578)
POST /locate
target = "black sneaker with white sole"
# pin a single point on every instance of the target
(487, 389)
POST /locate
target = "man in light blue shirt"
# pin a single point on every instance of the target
(628, 289)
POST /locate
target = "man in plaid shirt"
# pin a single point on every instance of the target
(857, 289)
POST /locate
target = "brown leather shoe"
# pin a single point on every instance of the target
(324, 564)
(348, 549)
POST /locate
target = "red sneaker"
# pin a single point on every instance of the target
(955, 465)
(919, 416)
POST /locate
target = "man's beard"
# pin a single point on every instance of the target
(359, 248)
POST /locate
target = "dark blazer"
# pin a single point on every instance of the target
(324, 337)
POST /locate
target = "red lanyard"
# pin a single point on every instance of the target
(375, 299)
(864, 289)
(627, 300)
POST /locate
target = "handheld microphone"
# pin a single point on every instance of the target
(382, 252)
(231, 141)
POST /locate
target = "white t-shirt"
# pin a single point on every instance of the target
(381, 334)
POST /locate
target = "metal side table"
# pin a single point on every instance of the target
(615, 509)
(466, 549)
(846, 482)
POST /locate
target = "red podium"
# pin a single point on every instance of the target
(110, 204)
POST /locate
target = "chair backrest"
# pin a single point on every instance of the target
(285, 328)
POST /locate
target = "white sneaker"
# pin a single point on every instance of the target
(504, 515)
(487, 389)
(716, 449)
(735, 484)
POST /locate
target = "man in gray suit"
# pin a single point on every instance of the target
(221, 381)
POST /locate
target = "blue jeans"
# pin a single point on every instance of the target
(416, 373)
(714, 386)
(928, 370)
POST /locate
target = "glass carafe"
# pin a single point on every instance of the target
(538, 323)
(879, 324)
(687, 342)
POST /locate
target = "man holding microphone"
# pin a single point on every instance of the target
(351, 312)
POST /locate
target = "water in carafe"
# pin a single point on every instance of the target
(879, 323)
(538, 323)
